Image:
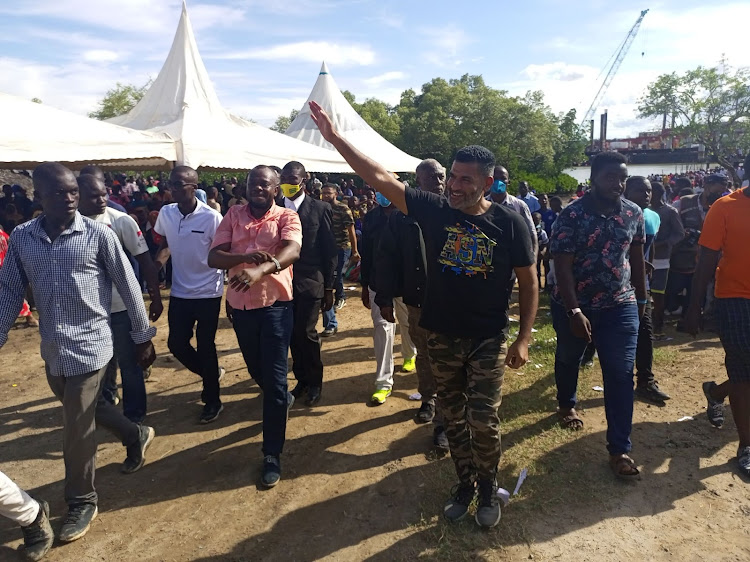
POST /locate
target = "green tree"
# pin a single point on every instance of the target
(710, 106)
(119, 100)
(283, 121)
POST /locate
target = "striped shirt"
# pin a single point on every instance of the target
(72, 281)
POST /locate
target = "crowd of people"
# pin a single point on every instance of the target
(440, 259)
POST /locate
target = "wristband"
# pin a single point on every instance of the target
(642, 301)
(277, 264)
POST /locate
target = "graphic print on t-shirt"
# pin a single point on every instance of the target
(467, 250)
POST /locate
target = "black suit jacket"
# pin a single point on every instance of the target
(315, 270)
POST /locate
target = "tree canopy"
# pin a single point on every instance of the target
(710, 106)
(283, 121)
(119, 100)
(523, 132)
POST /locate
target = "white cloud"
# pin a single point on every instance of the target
(311, 51)
(558, 71)
(100, 55)
(444, 48)
(385, 77)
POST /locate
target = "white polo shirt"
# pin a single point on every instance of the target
(131, 238)
(189, 238)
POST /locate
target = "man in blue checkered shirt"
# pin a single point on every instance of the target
(71, 262)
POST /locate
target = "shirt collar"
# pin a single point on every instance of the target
(76, 226)
(588, 204)
(294, 204)
(272, 211)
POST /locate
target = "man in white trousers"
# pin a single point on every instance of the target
(30, 514)
(384, 332)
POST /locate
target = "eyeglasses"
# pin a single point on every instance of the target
(179, 184)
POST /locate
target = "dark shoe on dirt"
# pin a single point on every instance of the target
(137, 451)
(440, 439)
(743, 460)
(457, 506)
(651, 392)
(299, 390)
(211, 413)
(77, 521)
(488, 509)
(38, 537)
(426, 413)
(715, 409)
(271, 471)
(313, 395)
(328, 332)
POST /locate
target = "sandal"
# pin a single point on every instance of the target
(569, 419)
(624, 467)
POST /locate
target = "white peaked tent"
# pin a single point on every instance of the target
(32, 133)
(183, 103)
(351, 126)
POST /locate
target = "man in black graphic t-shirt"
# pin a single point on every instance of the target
(472, 246)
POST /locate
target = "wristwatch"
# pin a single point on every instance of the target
(277, 264)
(573, 311)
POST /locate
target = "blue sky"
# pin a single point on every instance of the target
(263, 57)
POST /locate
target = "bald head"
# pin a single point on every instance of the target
(185, 174)
(92, 170)
(57, 189)
(431, 176)
(50, 175)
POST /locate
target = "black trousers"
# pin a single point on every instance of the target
(644, 353)
(184, 314)
(305, 346)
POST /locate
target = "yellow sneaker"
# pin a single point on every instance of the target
(380, 395)
(409, 365)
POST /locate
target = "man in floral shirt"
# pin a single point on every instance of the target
(597, 244)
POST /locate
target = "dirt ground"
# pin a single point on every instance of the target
(360, 483)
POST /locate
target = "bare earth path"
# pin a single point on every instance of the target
(360, 483)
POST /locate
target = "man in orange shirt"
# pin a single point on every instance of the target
(723, 242)
(258, 242)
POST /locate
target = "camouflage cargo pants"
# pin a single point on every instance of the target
(427, 386)
(469, 377)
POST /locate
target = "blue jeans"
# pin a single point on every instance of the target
(615, 334)
(329, 316)
(263, 335)
(133, 384)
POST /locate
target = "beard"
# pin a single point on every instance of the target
(467, 202)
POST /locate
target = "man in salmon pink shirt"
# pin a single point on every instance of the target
(258, 243)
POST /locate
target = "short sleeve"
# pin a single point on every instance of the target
(639, 236)
(132, 237)
(562, 240)
(346, 216)
(714, 230)
(291, 227)
(161, 227)
(223, 234)
(217, 219)
(422, 205)
(521, 248)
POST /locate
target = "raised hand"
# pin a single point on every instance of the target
(323, 121)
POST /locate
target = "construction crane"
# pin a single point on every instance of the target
(621, 53)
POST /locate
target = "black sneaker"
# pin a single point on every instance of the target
(715, 409)
(137, 451)
(440, 439)
(426, 413)
(488, 509)
(462, 494)
(328, 332)
(271, 471)
(299, 390)
(651, 392)
(77, 521)
(38, 537)
(211, 412)
(743, 460)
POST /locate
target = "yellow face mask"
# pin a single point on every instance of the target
(289, 189)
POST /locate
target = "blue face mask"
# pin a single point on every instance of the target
(382, 199)
(498, 187)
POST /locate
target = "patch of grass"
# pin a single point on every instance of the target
(558, 474)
